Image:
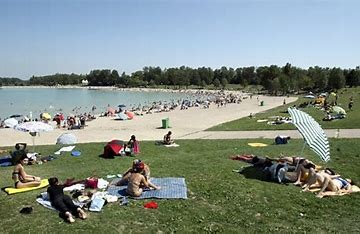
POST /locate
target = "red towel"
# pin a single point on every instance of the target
(151, 205)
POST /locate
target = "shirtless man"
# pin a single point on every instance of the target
(137, 181)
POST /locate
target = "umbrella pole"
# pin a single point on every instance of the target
(33, 141)
(302, 151)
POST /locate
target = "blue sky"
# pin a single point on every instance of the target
(48, 36)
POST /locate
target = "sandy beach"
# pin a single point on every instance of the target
(185, 124)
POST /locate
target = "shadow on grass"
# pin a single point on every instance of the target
(255, 173)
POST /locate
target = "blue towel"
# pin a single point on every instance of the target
(171, 188)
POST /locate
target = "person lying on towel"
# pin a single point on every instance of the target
(137, 181)
(21, 178)
(62, 202)
(327, 180)
(302, 171)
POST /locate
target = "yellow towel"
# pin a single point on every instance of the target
(354, 189)
(11, 190)
(257, 144)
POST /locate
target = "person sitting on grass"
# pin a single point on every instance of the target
(133, 144)
(137, 181)
(21, 178)
(62, 202)
(167, 139)
(125, 177)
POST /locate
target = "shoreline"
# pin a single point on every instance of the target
(114, 88)
(184, 123)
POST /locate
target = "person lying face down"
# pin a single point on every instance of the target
(137, 181)
(62, 202)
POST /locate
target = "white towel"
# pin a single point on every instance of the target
(65, 149)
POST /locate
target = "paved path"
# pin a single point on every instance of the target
(331, 133)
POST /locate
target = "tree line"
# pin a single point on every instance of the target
(274, 79)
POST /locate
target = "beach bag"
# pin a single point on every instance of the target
(91, 182)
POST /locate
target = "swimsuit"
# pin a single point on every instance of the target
(17, 180)
(341, 183)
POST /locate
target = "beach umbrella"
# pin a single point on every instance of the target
(309, 96)
(66, 139)
(312, 132)
(33, 128)
(45, 116)
(121, 116)
(130, 114)
(338, 110)
(111, 110)
(11, 122)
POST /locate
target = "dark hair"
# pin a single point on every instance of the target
(309, 165)
(301, 160)
(53, 181)
(255, 159)
(330, 171)
(22, 157)
(133, 137)
(169, 133)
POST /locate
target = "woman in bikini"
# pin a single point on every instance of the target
(21, 178)
(137, 181)
(125, 177)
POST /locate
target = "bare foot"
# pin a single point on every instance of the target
(297, 183)
(70, 218)
(82, 214)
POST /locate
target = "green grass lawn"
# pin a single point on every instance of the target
(219, 200)
(350, 122)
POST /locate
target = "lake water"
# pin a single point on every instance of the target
(75, 100)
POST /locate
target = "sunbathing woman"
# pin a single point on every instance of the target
(326, 180)
(137, 182)
(302, 172)
(125, 177)
(62, 202)
(21, 178)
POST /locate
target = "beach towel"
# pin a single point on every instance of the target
(172, 145)
(256, 144)
(171, 188)
(12, 190)
(65, 149)
(45, 202)
(5, 161)
(354, 189)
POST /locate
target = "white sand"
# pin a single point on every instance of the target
(184, 124)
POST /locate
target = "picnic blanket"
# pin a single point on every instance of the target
(171, 188)
(12, 190)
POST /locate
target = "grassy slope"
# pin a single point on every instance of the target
(219, 199)
(351, 122)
